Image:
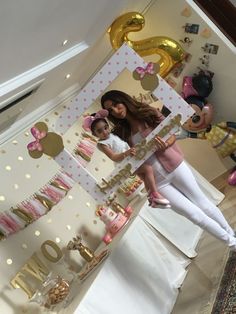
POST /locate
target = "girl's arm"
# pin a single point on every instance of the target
(116, 156)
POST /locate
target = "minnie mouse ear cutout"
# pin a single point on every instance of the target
(45, 142)
(88, 120)
(147, 76)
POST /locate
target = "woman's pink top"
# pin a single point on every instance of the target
(169, 158)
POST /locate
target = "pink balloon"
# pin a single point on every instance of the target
(232, 178)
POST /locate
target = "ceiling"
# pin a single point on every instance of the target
(33, 55)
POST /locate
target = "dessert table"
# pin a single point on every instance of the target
(146, 264)
(142, 274)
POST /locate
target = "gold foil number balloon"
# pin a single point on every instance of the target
(169, 50)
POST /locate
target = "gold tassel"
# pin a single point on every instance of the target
(45, 201)
(22, 214)
(59, 186)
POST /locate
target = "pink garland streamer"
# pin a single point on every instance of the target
(11, 223)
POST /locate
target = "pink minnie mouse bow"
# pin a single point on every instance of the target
(148, 70)
(103, 113)
(38, 136)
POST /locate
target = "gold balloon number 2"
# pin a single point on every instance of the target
(169, 50)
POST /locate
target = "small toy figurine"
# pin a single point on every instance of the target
(186, 41)
(84, 251)
(205, 60)
(113, 221)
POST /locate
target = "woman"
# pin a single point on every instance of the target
(133, 121)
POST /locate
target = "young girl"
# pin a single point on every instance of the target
(131, 119)
(117, 149)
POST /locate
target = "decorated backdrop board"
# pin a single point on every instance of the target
(180, 111)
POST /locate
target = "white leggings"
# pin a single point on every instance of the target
(187, 199)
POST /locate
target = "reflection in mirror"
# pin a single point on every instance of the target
(41, 193)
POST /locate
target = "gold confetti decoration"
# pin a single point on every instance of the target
(37, 233)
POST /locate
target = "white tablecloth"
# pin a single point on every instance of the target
(140, 276)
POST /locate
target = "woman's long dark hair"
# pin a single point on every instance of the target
(137, 109)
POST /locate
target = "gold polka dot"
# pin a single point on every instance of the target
(26, 133)
(16, 186)
(37, 233)
(104, 160)
(56, 113)
(37, 166)
(96, 169)
(24, 246)
(46, 120)
(58, 240)
(8, 168)
(49, 220)
(9, 261)
(20, 158)
(70, 197)
(28, 176)
(88, 204)
(76, 134)
(68, 227)
(64, 107)
(14, 142)
(95, 222)
(2, 198)
(68, 141)
(77, 215)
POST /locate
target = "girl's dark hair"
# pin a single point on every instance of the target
(137, 109)
(95, 122)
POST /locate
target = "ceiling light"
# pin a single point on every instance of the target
(64, 42)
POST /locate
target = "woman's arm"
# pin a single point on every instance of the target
(116, 156)
(171, 140)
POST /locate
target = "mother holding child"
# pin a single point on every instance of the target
(132, 121)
